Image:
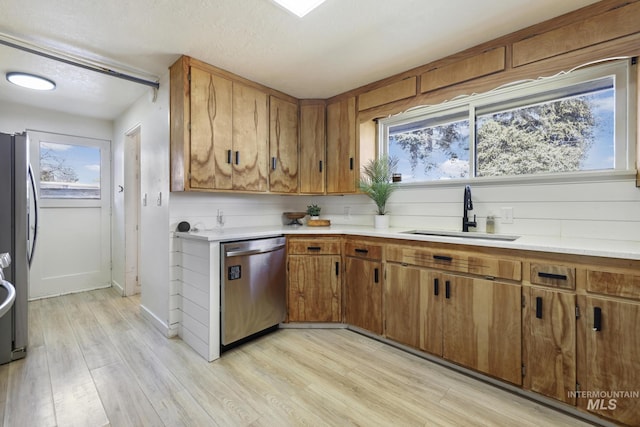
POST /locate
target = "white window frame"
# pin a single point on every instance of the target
(525, 93)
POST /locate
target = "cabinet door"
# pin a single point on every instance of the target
(549, 343)
(432, 294)
(459, 339)
(314, 292)
(402, 304)
(250, 138)
(612, 361)
(483, 326)
(312, 148)
(364, 294)
(211, 131)
(342, 170)
(283, 146)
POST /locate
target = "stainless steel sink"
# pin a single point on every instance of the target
(470, 235)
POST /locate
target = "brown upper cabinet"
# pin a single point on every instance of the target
(342, 164)
(211, 106)
(250, 138)
(476, 66)
(220, 132)
(312, 147)
(389, 93)
(283, 146)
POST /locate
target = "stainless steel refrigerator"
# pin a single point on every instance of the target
(17, 237)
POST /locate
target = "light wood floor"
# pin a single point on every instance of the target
(93, 360)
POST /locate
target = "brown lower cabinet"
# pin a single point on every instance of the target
(314, 290)
(402, 305)
(610, 378)
(472, 322)
(363, 283)
(549, 343)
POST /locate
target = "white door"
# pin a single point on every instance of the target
(73, 181)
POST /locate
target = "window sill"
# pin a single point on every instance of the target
(574, 177)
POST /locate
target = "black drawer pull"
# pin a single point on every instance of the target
(539, 307)
(597, 319)
(273, 163)
(376, 275)
(320, 166)
(314, 248)
(442, 258)
(447, 289)
(337, 268)
(362, 251)
(229, 156)
(350, 163)
(436, 287)
(552, 276)
(237, 157)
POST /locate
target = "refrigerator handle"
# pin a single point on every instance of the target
(35, 215)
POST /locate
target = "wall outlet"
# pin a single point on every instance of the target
(347, 212)
(506, 215)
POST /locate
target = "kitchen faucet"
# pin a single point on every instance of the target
(467, 206)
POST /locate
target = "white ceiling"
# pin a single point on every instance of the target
(341, 45)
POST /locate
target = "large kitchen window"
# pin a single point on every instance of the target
(574, 122)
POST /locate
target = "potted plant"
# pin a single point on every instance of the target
(313, 211)
(376, 182)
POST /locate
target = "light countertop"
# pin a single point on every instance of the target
(562, 245)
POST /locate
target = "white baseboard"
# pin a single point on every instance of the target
(159, 324)
(70, 292)
(118, 287)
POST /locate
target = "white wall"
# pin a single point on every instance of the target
(15, 118)
(153, 269)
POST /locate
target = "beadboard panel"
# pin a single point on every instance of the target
(591, 209)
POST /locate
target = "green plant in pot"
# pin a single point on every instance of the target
(376, 182)
(313, 211)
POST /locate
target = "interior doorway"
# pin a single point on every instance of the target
(132, 211)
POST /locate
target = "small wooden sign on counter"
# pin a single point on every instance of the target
(319, 223)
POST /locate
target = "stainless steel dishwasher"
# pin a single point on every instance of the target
(253, 288)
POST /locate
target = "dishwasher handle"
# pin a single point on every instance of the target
(233, 253)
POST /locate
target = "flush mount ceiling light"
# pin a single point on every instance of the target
(31, 81)
(299, 7)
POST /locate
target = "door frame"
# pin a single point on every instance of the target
(132, 211)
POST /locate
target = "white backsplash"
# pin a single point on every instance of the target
(596, 209)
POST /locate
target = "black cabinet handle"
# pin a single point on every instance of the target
(313, 248)
(362, 251)
(320, 166)
(552, 276)
(376, 275)
(436, 287)
(597, 319)
(539, 307)
(229, 156)
(273, 163)
(447, 289)
(442, 258)
(337, 268)
(237, 157)
(351, 163)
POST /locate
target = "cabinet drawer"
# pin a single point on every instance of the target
(314, 247)
(558, 276)
(460, 261)
(363, 250)
(620, 284)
